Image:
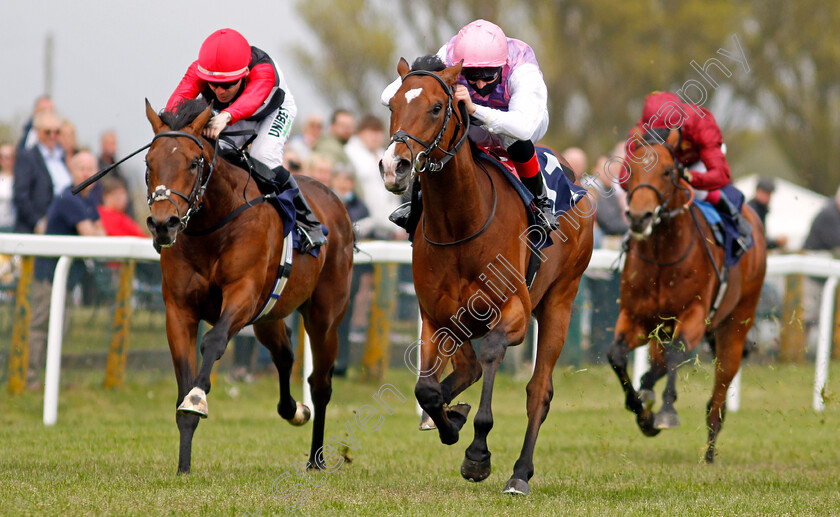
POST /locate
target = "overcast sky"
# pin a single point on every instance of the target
(110, 55)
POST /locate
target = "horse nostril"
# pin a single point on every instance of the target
(173, 222)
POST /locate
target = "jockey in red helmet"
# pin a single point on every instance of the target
(247, 91)
(504, 92)
(701, 150)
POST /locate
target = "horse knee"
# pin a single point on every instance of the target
(428, 395)
(617, 355)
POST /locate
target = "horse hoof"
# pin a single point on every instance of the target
(648, 398)
(457, 414)
(195, 402)
(475, 470)
(666, 420)
(426, 422)
(516, 486)
(302, 415)
(645, 421)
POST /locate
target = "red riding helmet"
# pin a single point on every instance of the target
(224, 57)
(663, 110)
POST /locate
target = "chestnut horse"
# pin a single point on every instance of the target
(671, 281)
(223, 266)
(469, 261)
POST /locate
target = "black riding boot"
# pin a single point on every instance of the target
(724, 206)
(543, 208)
(307, 224)
(407, 214)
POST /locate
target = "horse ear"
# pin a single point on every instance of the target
(403, 68)
(450, 75)
(157, 123)
(673, 138)
(200, 121)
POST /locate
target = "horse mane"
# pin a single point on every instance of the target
(183, 113)
(430, 63)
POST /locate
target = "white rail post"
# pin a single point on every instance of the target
(419, 354)
(307, 369)
(534, 340)
(641, 364)
(54, 336)
(824, 342)
(733, 394)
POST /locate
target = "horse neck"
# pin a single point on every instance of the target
(671, 239)
(454, 204)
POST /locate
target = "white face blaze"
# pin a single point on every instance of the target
(410, 95)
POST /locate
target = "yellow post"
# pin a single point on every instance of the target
(19, 352)
(122, 319)
(792, 346)
(375, 358)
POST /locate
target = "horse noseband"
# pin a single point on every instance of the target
(161, 193)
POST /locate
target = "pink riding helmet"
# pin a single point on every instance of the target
(480, 44)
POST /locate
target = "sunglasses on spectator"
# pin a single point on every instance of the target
(51, 131)
(224, 86)
(486, 74)
(294, 166)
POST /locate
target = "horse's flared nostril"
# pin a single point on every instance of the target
(173, 222)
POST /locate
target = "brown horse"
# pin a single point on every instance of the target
(469, 265)
(669, 286)
(224, 264)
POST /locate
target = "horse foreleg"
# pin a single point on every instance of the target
(429, 391)
(466, 371)
(181, 331)
(628, 335)
(687, 333)
(476, 464)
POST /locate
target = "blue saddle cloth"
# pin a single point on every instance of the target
(284, 203)
(729, 236)
(560, 190)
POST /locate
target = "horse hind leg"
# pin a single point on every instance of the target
(275, 337)
(730, 339)
(476, 465)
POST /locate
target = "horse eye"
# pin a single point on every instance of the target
(194, 165)
(437, 108)
(667, 172)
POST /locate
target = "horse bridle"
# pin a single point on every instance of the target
(676, 171)
(163, 193)
(422, 162)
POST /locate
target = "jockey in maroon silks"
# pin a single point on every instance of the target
(248, 92)
(701, 150)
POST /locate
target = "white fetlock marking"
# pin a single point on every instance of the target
(195, 402)
(302, 414)
(426, 422)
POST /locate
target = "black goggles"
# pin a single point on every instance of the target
(486, 74)
(225, 86)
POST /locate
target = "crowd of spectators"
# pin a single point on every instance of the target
(36, 175)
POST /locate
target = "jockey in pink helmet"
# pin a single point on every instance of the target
(247, 90)
(502, 87)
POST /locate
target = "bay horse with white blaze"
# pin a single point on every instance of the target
(671, 283)
(471, 223)
(222, 248)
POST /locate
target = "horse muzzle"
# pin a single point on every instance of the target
(641, 224)
(164, 232)
(395, 171)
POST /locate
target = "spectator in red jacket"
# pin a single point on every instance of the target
(112, 211)
(701, 150)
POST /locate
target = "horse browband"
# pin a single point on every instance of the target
(403, 137)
